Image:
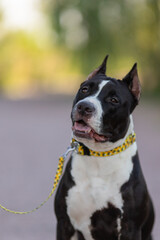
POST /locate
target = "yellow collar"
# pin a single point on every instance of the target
(128, 141)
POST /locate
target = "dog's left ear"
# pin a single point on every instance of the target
(100, 70)
(133, 83)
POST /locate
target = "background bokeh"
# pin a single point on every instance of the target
(46, 49)
(49, 45)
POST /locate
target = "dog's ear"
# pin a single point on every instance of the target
(133, 83)
(101, 69)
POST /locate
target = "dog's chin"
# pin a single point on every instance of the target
(83, 131)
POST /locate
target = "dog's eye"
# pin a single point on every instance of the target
(114, 100)
(85, 89)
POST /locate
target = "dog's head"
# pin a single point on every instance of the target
(103, 105)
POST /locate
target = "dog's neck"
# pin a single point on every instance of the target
(107, 146)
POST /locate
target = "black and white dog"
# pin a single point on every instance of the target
(104, 198)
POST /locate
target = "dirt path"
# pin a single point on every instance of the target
(32, 136)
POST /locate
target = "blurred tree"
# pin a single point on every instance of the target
(127, 30)
(1, 20)
(153, 53)
(28, 67)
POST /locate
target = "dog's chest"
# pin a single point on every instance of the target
(97, 182)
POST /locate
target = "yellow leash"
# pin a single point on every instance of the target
(80, 150)
(56, 181)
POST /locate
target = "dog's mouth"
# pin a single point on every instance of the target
(83, 130)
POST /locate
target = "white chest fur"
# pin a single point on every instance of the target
(97, 182)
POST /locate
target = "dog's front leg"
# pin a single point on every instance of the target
(65, 230)
(135, 236)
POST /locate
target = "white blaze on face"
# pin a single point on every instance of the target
(96, 120)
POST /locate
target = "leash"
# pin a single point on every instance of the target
(56, 181)
(80, 150)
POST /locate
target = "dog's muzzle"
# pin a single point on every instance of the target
(82, 114)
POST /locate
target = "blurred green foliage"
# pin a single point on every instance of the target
(29, 66)
(78, 36)
(128, 31)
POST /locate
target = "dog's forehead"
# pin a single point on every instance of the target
(106, 85)
(100, 86)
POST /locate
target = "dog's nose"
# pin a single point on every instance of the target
(85, 108)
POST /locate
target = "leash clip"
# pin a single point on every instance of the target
(74, 145)
(71, 148)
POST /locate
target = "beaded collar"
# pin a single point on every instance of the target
(82, 150)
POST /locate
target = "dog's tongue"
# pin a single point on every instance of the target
(82, 127)
(99, 138)
(88, 131)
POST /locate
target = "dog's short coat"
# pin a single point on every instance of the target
(104, 198)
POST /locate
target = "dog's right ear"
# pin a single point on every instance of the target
(133, 83)
(100, 70)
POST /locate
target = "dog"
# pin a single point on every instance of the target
(103, 194)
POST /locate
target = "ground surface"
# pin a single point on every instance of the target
(33, 134)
